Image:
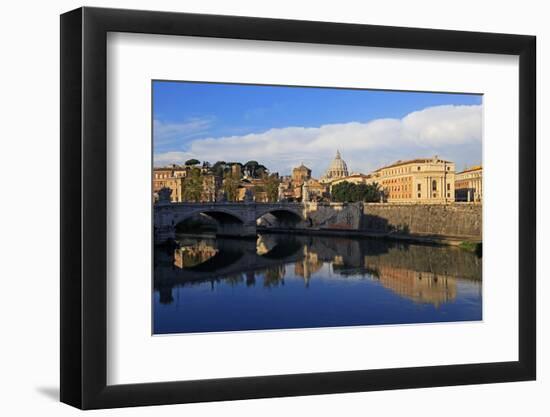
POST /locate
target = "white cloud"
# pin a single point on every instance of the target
(173, 157)
(453, 132)
(169, 133)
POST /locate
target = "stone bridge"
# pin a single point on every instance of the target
(459, 221)
(233, 219)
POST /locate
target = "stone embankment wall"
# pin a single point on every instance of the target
(461, 220)
(336, 216)
(458, 220)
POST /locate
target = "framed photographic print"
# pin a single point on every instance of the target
(258, 207)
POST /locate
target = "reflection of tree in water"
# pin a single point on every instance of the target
(233, 279)
(274, 276)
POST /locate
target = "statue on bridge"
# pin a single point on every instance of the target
(164, 196)
(248, 196)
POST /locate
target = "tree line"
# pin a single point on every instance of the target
(348, 192)
(193, 184)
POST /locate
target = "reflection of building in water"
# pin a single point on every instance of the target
(188, 256)
(308, 265)
(264, 243)
(250, 279)
(421, 287)
(274, 276)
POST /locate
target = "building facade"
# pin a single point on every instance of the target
(301, 174)
(469, 185)
(354, 178)
(422, 180)
(172, 178)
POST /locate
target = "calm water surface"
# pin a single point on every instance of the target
(294, 281)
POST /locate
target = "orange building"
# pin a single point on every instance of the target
(422, 180)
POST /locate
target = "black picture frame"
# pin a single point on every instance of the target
(84, 207)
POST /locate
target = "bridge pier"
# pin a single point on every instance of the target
(164, 234)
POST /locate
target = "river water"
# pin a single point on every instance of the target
(282, 281)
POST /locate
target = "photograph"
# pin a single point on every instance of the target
(296, 207)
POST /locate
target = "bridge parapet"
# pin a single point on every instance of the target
(239, 219)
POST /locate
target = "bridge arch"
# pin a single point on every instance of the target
(228, 222)
(221, 215)
(284, 216)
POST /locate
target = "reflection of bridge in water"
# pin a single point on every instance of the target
(424, 274)
(225, 257)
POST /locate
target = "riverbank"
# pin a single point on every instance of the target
(467, 243)
(464, 242)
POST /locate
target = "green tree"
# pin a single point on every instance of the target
(272, 187)
(191, 162)
(373, 193)
(251, 166)
(192, 186)
(231, 186)
(346, 192)
(219, 168)
(260, 171)
(256, 169)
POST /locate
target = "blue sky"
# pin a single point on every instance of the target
(284, 126)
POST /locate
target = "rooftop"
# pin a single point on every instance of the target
(302, 167)
(472, 168)
(414, 161)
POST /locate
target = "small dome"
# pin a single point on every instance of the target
(338, 168)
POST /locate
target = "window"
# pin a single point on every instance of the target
(448, 187)
(419, 188)
(449, 195)
(418, 168)
(434, 185)
(418, 195)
